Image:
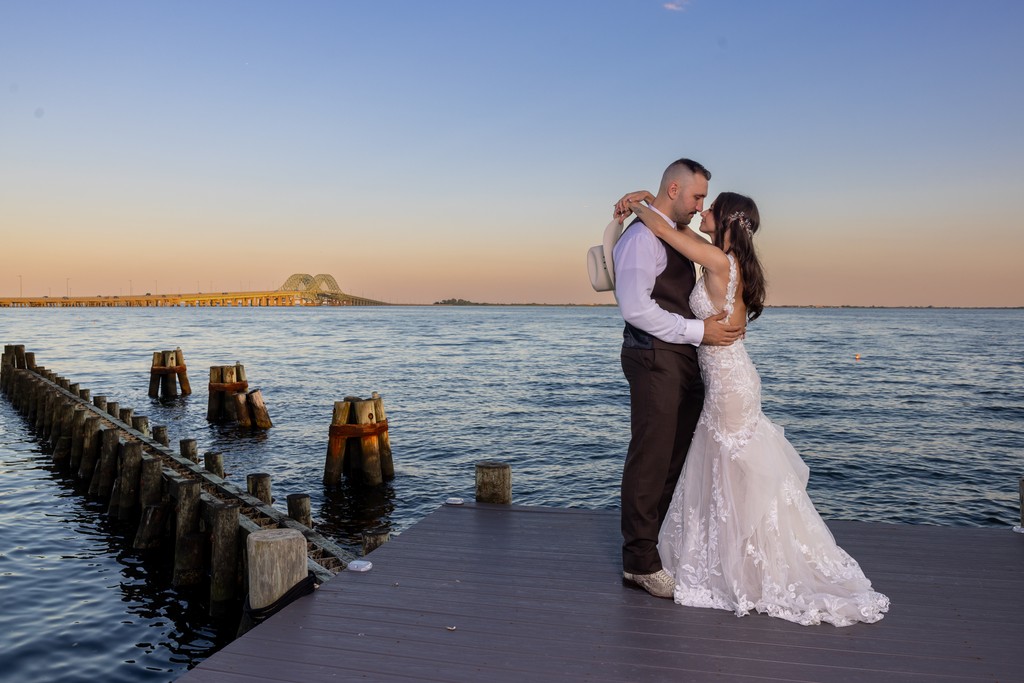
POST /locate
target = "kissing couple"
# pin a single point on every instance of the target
(715, 511)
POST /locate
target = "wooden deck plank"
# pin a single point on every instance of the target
(535, 594)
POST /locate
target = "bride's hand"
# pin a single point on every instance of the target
(622, 209)
(658, 225)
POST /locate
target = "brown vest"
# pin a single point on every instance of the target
(672, 292)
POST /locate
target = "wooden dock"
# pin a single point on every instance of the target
(509, 593)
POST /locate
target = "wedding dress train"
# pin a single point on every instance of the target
(741, 533)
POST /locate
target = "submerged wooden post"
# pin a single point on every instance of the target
(493, 482)
(187, 541)
(223, 555)
(154, 375)
(336, 444)
(214, 462)
(128, 479)
(387, 463)
(258, 409)
(160, 435)
(369, 444)
(179, 361)
(168, 383)
(103, 476)
(241, 409)
(216, 398)
(298, 508)
(90, 447)
(189, 449)
(258, 485)
(140, 423)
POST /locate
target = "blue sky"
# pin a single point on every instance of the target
(420, 151)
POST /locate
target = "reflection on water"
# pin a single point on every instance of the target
(935, 397)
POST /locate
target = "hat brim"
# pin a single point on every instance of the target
(601, 261)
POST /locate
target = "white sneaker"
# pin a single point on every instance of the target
(660, 584)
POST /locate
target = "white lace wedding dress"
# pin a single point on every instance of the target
(741, 533)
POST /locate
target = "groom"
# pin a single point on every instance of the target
(659, 358)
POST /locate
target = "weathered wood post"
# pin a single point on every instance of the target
(151, 501)
(188, 448)
(369, 444)
(276, 562)
(168, 383)
(223, 555)
(214, 403)
(258, 485)
(100, 402)
(188, 546)
(160, 435)
(128, 478)
(493, 482)
(241, 409)
(113, 409)
(77, 434)
(258, 409)
(103, 476)
(299, 509)
(335, 463)
(125, 415)
(90, 447)
(179, 361)
(154, 375)
(140, 423)
(374, 539)
(214, 462)
(387, 463)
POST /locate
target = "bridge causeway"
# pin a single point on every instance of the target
(299, 289)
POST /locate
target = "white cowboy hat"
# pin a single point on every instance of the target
(600, 264)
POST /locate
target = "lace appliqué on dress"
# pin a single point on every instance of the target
(741, 534)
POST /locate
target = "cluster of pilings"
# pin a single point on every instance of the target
(358, 445)
(167, 371)
(232, 400)
(175, 503)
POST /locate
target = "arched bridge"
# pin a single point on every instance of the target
(322, 290)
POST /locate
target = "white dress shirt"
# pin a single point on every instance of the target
(639, 257)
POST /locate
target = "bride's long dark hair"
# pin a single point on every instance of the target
(737, 216)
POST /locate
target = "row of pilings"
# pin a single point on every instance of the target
(117, 458)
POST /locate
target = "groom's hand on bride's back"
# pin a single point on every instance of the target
(719, 333)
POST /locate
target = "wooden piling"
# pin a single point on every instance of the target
(150, 527)
(223, 555)
(215, 401)
(214, 462)
(187, 541)
(299, 509)
(103, 479)
(493, 482)
(276, 561)
(90, 447)
(240, 409)
(154, 375)
(125, 415)
(373, 539)
(113, 409)
(160, 435)
(258, 409)
(168, 382)
(100, 402)
(336, 444)
(258, 485)
(128, 479)
(140, 423)
(179, 361)
(77, 433)
(387, 463)
(369, 445)
(150, 482)
(189, 449)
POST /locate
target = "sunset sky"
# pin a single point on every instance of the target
(418, 151)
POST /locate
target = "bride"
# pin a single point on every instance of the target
(741, 533)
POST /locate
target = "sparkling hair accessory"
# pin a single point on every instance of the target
(742, 218)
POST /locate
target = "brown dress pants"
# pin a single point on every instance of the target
(666, 396)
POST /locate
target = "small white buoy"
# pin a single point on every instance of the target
(360, 566)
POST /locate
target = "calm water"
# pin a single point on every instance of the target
(923, 429)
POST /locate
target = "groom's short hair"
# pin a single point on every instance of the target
(689, 164)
